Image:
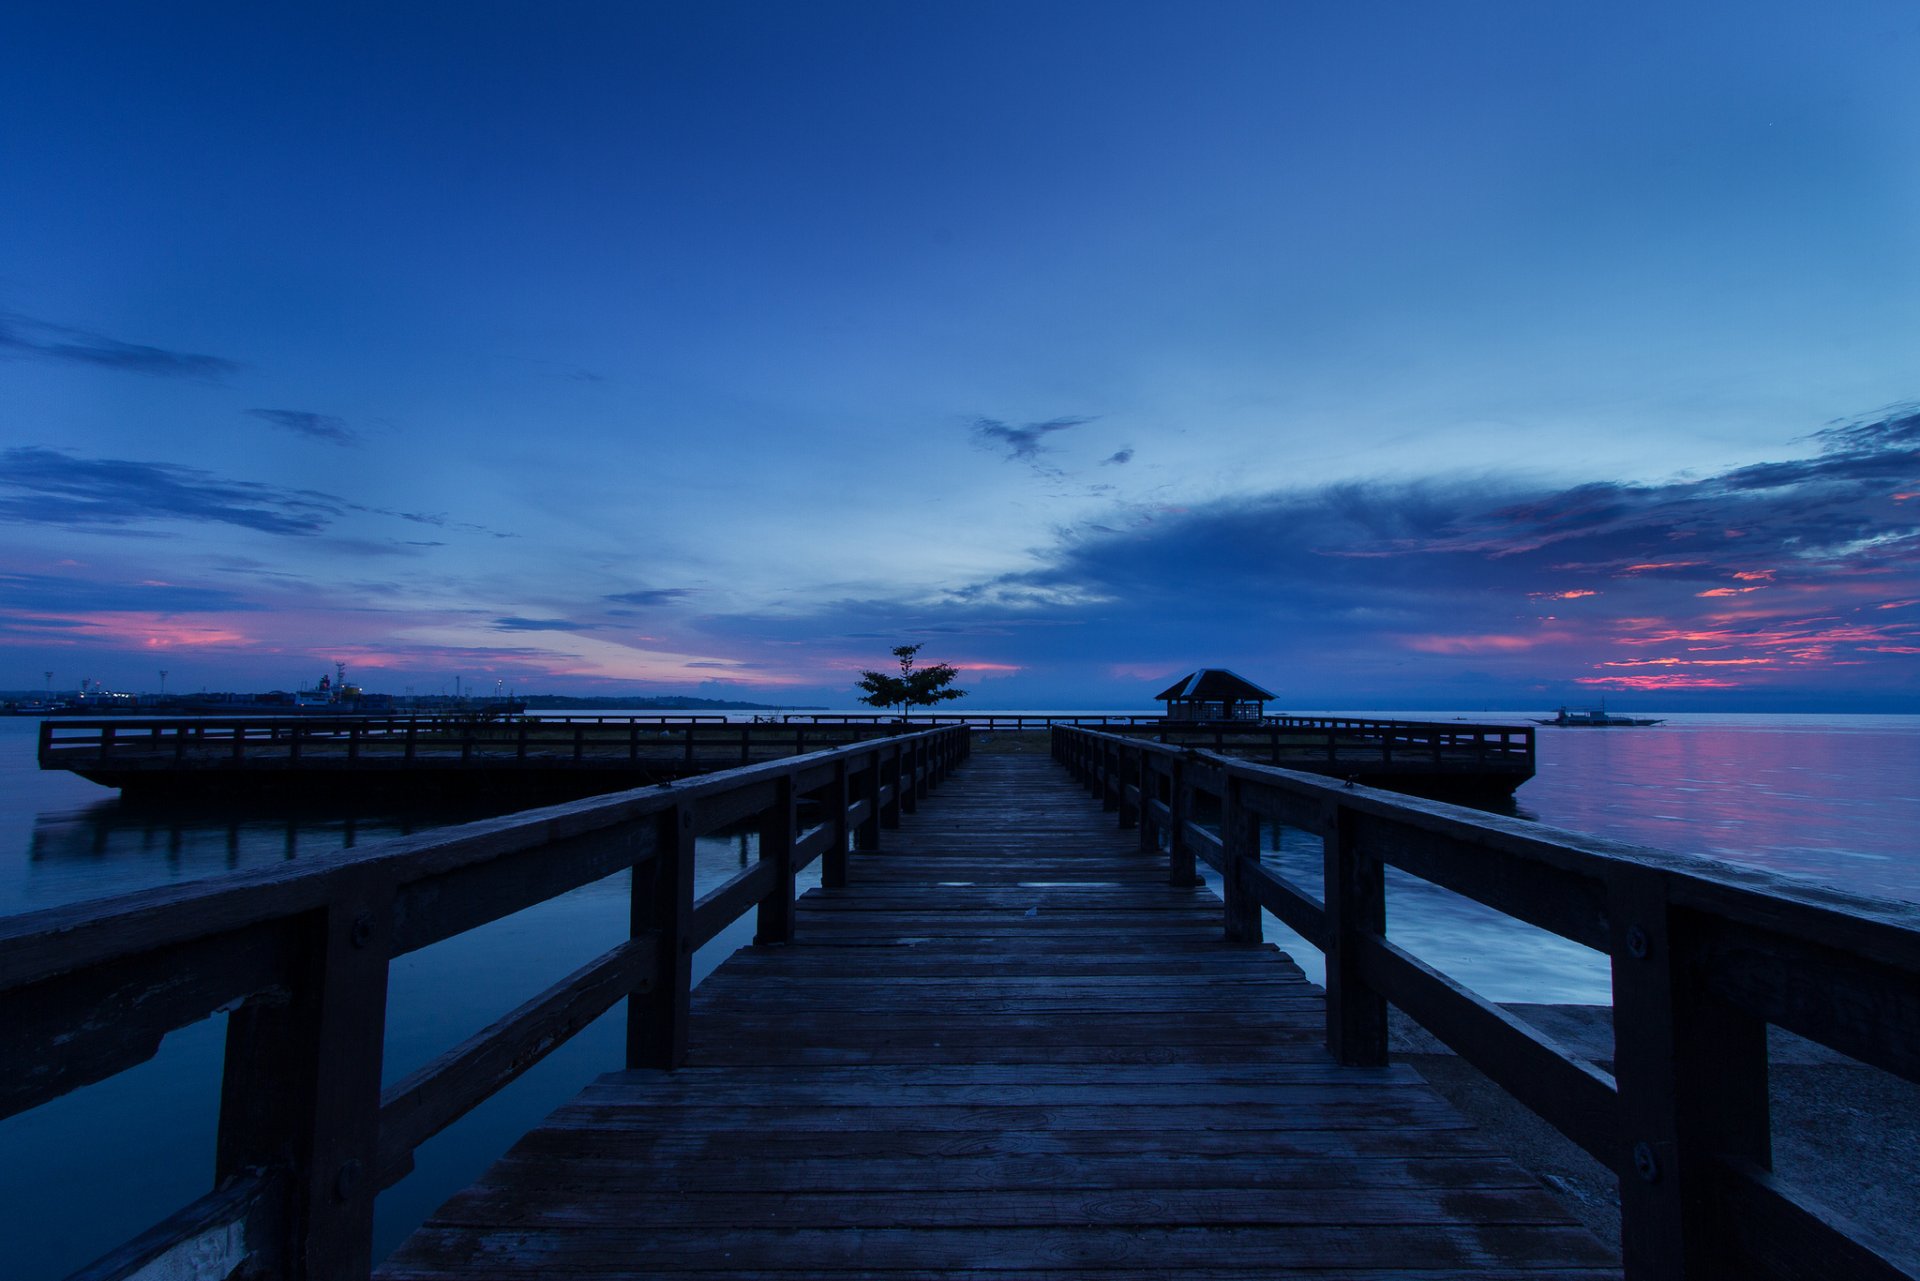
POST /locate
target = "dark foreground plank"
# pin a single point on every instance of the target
(1007, 1049)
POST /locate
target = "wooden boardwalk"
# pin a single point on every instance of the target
(1007, 1048)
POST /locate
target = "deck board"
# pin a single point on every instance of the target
(1007, 1049)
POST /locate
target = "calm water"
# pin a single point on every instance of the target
(1833, 800)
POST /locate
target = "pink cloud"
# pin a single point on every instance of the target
(1471, 644)
(1657, 682)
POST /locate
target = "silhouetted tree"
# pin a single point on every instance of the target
(921, 687)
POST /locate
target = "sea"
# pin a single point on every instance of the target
(1827, 800)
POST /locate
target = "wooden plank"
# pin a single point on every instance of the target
(1006, 1046)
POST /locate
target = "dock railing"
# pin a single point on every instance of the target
(1360, 743)
(1704, 957)
(109, 742)
(298, 957)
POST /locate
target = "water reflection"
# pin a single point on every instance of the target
(110, 846)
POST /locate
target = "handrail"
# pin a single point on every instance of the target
(538, 742)
(1312, 742)
(1704, 956)
(299, 957)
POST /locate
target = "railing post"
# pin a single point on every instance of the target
(1180, 863)
(1149, 793)
(301, 1085)
(922, 769)
(890, 758)
(1239, 845)
(905, 780)
(1354, 891)
(1692, 1079)
(663, 906)
(778, 826)
(1132, 769)
(868, 835)
(833, 864)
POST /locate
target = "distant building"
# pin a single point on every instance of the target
(1214, 694)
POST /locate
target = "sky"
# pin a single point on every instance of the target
(1403, 355)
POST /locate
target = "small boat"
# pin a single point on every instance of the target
(1597, 717)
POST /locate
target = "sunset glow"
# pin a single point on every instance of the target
(1392, 357)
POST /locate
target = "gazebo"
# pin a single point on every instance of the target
(1214, 694)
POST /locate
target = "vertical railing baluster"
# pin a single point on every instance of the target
(779, 825)
(890, 767)
(1131, 763)
(833, 864)
(868, 835)
(662, 906)
(1353, 889)
(301, 1086)
(1692, 1078)
(1180, 858)
(1239, 846)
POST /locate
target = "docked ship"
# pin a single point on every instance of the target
(1599, 718)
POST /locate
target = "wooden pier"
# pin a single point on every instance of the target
(550, 757)
(1011, 1036)
(1007, 1045)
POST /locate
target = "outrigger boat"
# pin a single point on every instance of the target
(1598, 717)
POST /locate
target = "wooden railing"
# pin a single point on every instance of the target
(299, 957)
(1337, 741)
(532, 740)
(1704, 957)
(979, 720)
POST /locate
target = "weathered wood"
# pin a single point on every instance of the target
(70, 1030)
(779, 827)
(233, 1231)
(1298, 910)
(1778, 1235)
(1576, 1097)
(1239, 846)
(1356, 911)
(301, 1086)
(842, 820)
(662, 913)
(1704, 957)
(1006, 1046)
(425, 1102)
(1692, 1075)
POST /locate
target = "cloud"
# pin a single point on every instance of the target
(514, 624)
(46, 486)
(58, 342)
(319, 426)
(650, 596)
(1025, 443)
(67, 596)
(440, 521)
(1490, 585)
(1118, 457)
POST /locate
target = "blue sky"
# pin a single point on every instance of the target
(1392, 354)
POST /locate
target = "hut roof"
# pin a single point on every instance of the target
(1213, 684)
